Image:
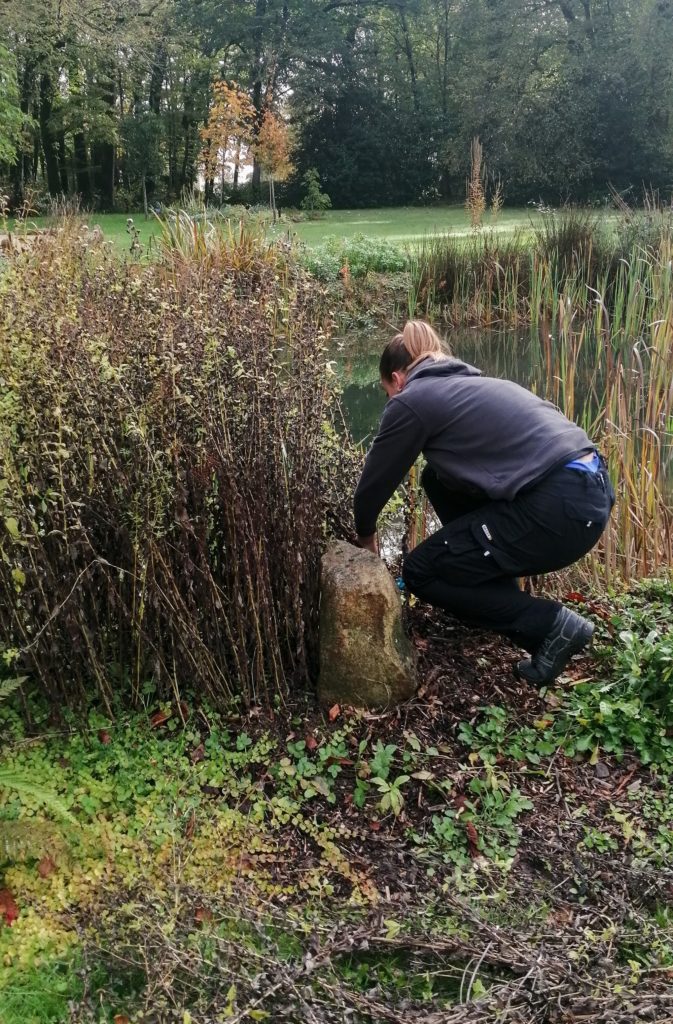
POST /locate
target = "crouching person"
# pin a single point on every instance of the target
(518, 488)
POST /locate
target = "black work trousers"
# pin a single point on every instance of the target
(470, 567)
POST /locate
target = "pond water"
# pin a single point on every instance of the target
(512, 355)
(517, 356)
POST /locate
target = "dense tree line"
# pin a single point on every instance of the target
(107, 99)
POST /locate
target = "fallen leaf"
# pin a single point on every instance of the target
(104, 737)
(160, 718)
(190, 828)
(46, 867)
(197, 754)
(203, 915)
(598, 609)
(375, 826)
(574, 595)
(472, 838)
(121, 1018)
(422, 776)
(9, 910)
(320, 785)
(311, 743)
(334, 712)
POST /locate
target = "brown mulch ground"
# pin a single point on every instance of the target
(552, 937)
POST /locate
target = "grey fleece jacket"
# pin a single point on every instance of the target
(479, 434)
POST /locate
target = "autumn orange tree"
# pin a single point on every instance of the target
(273, 149)
(228, 134)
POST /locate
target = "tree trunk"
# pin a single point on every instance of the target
(82, 175)
(145, 207)
(237, 163)
(445, 75)
(103, 153)
(258, 36)
(63, 164)
(172, 133)
(49, 146)
(156, 91)
(410, 60)
(103, 167)
(21, 169)
(186, 155)
(186, 171)
(157, 79)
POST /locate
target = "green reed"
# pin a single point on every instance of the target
(624, 356)
(598, 299)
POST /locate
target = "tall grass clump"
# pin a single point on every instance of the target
(475, 190)
(168, 470)
(566, 258)
(482, 280)
(596, 297)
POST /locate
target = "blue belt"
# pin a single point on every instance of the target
(585, 467)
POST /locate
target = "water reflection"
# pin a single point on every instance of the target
(508, 355)
(576, 385)
(574, 379)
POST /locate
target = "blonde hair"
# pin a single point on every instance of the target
(417, 341)
(421, 341)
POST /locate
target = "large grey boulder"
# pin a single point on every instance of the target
(366, 659)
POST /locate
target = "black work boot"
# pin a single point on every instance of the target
(568, 635)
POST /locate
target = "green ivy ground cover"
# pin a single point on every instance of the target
(482, 847)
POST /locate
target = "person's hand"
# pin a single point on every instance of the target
(370, 543)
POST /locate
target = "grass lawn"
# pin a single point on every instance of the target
(114, 227)
(403, 224)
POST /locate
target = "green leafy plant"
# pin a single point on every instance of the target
(487, 736)
(20, 837)
(633, 707)
(381, 762)
(392, 798)
(358, 254)
(601, 842)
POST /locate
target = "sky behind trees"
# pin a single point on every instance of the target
(105, 98)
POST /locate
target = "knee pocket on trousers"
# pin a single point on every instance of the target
(433, 557)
